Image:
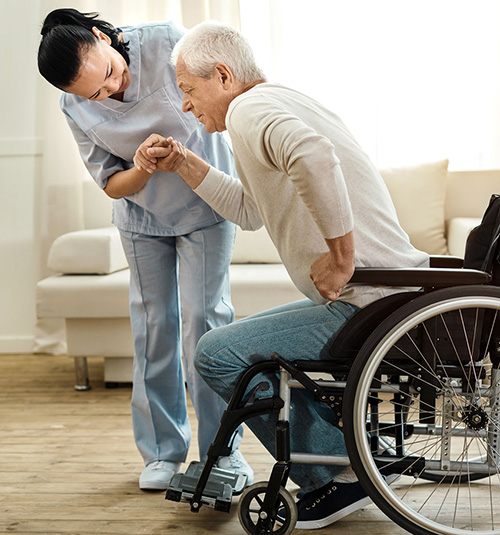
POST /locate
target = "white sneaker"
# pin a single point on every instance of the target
(236, 463)
(157, 475)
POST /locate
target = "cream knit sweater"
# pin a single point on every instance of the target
(304, 176)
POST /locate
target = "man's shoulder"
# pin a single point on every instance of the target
(262, 96)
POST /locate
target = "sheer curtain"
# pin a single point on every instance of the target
(59, 207)
(414, 81)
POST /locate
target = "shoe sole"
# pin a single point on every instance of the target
(322, 522)
(153, 485)
(315, 524)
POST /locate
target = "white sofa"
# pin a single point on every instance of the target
(89, 288)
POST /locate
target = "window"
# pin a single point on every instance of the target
(414, 80)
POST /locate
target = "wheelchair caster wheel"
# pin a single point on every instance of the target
(251, 510)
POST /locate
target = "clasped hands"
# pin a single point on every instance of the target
(160, 154)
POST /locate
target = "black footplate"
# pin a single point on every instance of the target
(217, 494)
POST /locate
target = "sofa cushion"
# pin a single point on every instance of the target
(458, 231)
(418, 193)
(84, 296)
(254, 247)
(255, 288)
(91, 251)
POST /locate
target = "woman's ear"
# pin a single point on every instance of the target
(101, 35)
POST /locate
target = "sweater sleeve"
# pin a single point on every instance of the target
(227, 196)
(307, 158)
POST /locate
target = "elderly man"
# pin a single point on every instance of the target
(325, 206)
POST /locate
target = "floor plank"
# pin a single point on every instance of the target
(69, 465)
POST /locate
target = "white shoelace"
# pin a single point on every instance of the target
(157, 465)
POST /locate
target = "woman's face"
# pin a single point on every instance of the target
(103, 71)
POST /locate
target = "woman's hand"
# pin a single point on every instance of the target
(142, 160)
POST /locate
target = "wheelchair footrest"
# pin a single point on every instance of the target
(217, 494)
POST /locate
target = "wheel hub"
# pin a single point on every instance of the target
(475, 418)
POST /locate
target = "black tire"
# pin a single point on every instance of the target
(394, 370)
(250, 507)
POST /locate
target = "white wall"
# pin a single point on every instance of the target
(20, 163)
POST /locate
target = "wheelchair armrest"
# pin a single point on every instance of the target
(419, 277)
(446, 261)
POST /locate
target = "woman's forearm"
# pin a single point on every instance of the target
(126, 183)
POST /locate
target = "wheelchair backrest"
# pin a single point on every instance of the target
(482, 250)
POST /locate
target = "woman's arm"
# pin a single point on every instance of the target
(224, 193)
(130, 181)
(126, 182)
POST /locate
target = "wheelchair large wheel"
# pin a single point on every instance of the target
(423, 399)
(251, 510)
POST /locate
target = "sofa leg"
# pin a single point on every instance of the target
(82, 374)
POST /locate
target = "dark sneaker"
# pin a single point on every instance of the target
(326, 505)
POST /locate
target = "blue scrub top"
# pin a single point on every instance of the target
(109, 132)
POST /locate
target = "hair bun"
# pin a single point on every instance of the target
(62, 17)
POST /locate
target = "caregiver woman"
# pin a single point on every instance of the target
(119, 87)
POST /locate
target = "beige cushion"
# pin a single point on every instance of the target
(255, 288)
(418, 192)
(84, 296)
(458, 231)
(92, 251)
(254, 247)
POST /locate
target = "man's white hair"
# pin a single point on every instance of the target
(212, 42)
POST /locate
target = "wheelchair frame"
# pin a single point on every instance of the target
(396, 359)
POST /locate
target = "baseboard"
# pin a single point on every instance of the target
(10, 345)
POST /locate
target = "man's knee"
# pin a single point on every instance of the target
(205, 349)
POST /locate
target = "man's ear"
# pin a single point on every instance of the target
(101, 35)
(224, 75)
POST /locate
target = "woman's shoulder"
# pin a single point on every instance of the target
(153, 33)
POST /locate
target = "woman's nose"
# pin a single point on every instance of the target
(114, 84)
(186, 104)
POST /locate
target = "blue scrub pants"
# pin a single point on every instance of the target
(300, 330)
(176, 280)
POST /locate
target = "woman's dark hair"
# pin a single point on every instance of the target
(66, 33)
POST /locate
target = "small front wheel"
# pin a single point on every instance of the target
(251, 510)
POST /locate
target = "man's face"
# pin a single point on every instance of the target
(206, 98)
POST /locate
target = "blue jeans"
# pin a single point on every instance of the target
(176, 280)
(301, 330)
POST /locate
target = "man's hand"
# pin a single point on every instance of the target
(168, 154)
(333, 270)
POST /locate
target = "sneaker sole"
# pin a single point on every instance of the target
(153, 485)
(322, 522)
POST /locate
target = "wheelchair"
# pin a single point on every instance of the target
(413, 380)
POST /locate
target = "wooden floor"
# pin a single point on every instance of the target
(69, 465)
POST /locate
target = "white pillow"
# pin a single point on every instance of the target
(91, 251)
(254, 247)
(418, 193)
